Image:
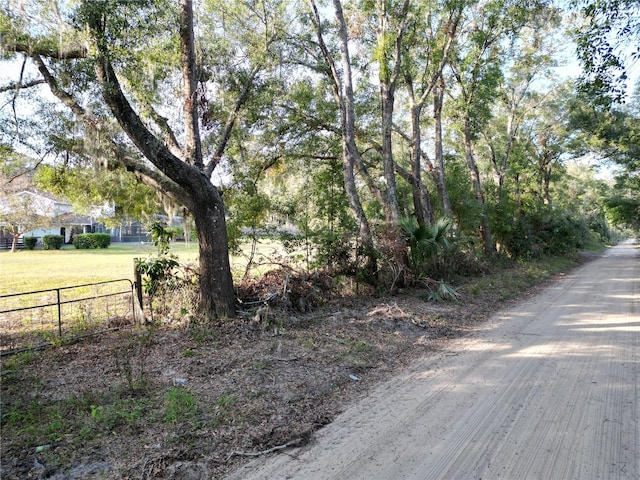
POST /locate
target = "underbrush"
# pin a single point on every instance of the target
(139, 403)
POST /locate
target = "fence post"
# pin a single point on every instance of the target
(59, 313)
(138, 312)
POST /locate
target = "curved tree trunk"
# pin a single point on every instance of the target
(186, 178)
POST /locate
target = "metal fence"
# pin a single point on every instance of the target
(39, 318)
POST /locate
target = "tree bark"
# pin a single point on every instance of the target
(216, 296)
(438, 98)
(428, 78)
(343, 93)
(421, 202)
(391, 206)
(193, 148)
(485, 229)
(388, 77)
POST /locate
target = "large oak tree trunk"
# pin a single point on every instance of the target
(183, 177)
(217, 295)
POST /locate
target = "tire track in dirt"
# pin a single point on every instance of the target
(548, 389)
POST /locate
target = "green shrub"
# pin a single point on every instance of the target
(30, 242)
(157, 271)
(82, 241)
(91, 240)
(102, 240)
(52, 242)
(425, 241)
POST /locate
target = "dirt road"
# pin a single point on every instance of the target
(547, 390)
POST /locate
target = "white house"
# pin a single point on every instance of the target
(64, 221)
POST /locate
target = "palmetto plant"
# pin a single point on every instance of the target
(425, 241)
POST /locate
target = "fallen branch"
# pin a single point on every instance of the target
(291, 359)
(265, 301)
(237, 453)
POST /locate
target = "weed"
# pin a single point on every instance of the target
(309, 343)
(121, 413)
(201, 334)
(361, 347)
(12, 368)
(443, 293)
(58, 424)
(179, 404)
(38, 421)
(130, 360)
(255, 394)
(226, 401)
(260, 365)
(53, 339)
(80, 317)
(225, 411)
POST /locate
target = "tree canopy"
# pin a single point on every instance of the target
(337, 120)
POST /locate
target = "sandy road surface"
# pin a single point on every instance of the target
(547, 390)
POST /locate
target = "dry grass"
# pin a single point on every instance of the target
(154, 402)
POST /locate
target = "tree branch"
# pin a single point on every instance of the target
(65, 97)
(193, 147)
(231, 120)
(423, 154)
(33, 49)
(169, 137)
(150, 176)
(142, 171)
(26, 171)
(20, 85)
(328, 58)
(148, 144)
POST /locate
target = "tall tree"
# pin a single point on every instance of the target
(342, 87)
(607, 41)
(429, 39)
(135, 55)
(392, 21)
(529, 58)
(612, 135)
(477, 71)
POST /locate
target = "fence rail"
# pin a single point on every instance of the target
(38, 318)
(6, 243)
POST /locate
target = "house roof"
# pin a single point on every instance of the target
(46, 205)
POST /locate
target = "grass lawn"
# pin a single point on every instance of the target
(28, 270)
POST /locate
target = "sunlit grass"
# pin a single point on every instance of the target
(28, 270)
(507, 282)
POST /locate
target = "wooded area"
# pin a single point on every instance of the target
(374, 133)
